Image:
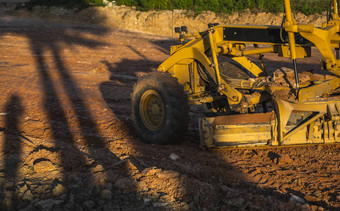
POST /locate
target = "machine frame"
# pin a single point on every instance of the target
(304, 120)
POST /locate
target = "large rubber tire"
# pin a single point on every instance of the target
(160, 110)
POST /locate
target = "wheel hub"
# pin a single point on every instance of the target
(152, 110)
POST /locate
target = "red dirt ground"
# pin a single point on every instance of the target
(67, 137)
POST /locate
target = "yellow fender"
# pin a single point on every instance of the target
(188, 53)
(234, 97)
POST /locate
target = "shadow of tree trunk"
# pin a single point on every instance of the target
(12, 150)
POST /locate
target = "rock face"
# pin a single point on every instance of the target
(163, 22)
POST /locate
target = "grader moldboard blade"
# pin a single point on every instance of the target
(240, 130)
(303, 111)
(295, 123)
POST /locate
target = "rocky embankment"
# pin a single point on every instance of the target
(157, 22)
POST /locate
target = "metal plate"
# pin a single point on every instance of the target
(264, 35)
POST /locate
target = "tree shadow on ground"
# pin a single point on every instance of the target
(82, 170)
(203, 179)
(12, 149)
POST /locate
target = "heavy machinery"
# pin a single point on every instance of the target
(248, 107)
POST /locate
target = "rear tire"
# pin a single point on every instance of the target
(160, 110)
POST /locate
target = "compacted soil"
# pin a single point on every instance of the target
(67, 143)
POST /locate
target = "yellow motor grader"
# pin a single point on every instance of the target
(246, 107)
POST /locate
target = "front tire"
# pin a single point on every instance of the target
(160, 110)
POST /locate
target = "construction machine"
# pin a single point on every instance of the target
(245, 106)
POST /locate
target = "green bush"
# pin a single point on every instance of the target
(227, 6)
(311, 6)
(219, 6)
(67, 3)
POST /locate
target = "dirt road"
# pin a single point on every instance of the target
(66, 140)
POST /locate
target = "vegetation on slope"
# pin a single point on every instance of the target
(81, 4)
(227, 6)
(219, 6)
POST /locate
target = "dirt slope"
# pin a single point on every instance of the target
(157, 22)
(66, 141)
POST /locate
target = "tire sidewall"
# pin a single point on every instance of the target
(172, 128)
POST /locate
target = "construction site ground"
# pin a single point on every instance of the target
(67, 142)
